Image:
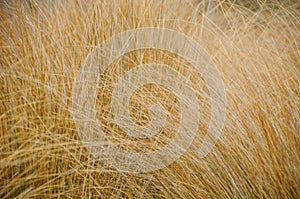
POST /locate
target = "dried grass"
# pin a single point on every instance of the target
(44, 44)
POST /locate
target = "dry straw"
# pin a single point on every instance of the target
(256, 49)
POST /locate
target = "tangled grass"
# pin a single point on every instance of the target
(43, 44)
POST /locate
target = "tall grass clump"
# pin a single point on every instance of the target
(43, 45)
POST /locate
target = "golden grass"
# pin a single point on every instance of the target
(257, 52)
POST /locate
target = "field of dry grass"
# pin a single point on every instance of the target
(257, 51)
